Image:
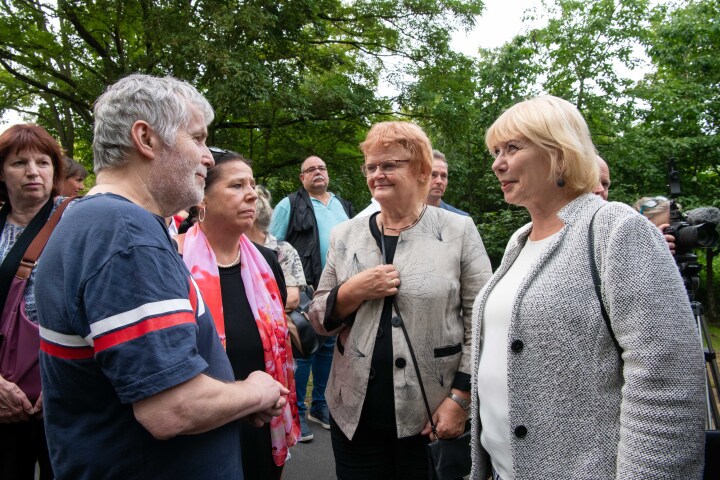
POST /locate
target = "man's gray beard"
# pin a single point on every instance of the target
(170, 192)
(170, 203)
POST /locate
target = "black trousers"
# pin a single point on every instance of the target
(378, 454)
(256, 451)
(23, 444)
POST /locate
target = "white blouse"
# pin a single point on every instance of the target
(492, 370)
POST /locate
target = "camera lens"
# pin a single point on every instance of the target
(696, 236)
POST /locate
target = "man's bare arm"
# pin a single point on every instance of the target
(203, 403)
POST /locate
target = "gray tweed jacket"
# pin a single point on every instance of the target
(586, 414)
(443, 265)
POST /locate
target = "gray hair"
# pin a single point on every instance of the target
(161, 102)
(263, 209)
(438, 155)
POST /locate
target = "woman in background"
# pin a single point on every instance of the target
(75, 175)
(287, 255)
(32, 172)
(657, 210)
(244, 287)
(579, 375)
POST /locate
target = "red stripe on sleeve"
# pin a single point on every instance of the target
(67, 353)
(193, 296)
(139, 329)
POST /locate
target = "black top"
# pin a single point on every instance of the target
(244, 348)
(379, 407)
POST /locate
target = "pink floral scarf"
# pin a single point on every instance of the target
(265, 302)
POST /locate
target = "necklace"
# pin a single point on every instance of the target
(402, 229)
(234, 262)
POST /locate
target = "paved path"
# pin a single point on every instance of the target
(312, 460)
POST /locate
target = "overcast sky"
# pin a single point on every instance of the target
(500, 22)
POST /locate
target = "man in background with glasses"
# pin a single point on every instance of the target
(305, 219)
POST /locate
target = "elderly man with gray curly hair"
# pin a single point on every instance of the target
(136, 381)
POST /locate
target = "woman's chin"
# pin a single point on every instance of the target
(29, 195)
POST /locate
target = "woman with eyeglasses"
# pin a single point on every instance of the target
(587, 359)
(244, 288)
(433, 263)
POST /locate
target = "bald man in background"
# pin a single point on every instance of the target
(603, 185)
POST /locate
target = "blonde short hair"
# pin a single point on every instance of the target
(557, 127)
(412, 138)
(652, 207)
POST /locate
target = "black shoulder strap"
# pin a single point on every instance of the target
(14, 257)
(597, 282)
(398, 319)
(415, 364)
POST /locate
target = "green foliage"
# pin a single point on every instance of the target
(287, 79)
(495, 227)
(709, 295)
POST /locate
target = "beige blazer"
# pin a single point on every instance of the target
(443, 265)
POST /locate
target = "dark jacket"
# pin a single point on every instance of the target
(302, 233)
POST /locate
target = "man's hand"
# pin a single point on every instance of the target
(273, 394)
(261, 418)
(203, 403)
(14, 404)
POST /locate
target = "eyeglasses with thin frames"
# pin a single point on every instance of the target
(321, 168)
(387, 167)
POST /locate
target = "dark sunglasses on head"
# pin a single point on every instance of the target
(219, 153)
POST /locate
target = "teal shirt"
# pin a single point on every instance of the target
(325, 216)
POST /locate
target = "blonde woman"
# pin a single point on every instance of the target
(579, 375)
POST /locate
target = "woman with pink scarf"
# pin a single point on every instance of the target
(244, 288)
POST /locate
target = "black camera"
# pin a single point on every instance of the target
(701, 234)
(687, 236)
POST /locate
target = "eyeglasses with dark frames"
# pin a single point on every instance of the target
(387, 167)
(321, 168)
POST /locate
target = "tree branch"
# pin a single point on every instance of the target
(82, 109)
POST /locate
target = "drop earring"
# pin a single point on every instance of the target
(560, 182)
